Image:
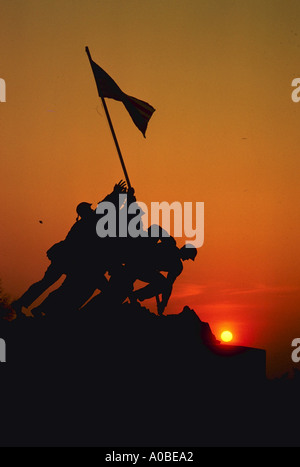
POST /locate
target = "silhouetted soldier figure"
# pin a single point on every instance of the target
(119, 247)
(56, 269)
(163, 256)
(72, 256)
(145, 257)
(126, 252)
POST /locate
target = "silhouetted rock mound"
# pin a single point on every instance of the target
(123, 376)
(104, 335)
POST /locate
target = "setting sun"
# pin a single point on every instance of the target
(226, 336)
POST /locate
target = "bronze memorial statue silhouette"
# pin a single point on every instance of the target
(86, 259)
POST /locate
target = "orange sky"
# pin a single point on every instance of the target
(225, 132)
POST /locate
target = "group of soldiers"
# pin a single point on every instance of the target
(110, 265)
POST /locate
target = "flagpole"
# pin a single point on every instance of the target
(111, 126)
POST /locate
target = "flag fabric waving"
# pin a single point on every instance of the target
(139, 111)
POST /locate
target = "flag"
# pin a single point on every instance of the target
(139, 111)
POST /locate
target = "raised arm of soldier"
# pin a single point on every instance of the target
(113, 197)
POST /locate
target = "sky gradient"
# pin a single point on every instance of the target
(225, 132)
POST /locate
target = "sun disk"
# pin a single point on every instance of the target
(226, 336)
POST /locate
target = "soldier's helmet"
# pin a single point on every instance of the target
(83, 209)
(188, 251)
